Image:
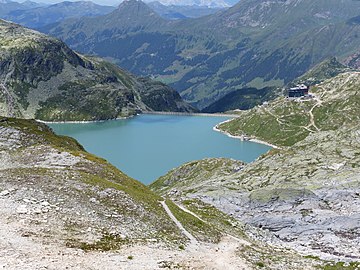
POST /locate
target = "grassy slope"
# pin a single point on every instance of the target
(44, 79)
(243, 99)
(319, 168)
(94, 175)
(285, 122)
(207, 58)
(191, 174)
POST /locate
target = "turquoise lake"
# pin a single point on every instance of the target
(148, 146)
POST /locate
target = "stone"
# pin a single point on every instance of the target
(4, 193)
(22, 209)
(45, 203)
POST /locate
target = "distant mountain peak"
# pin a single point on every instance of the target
(132, 4)
(135, 11)
(207, 3)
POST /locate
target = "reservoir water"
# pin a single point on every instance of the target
(148, 146)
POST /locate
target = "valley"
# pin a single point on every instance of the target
(78, 211)
(149, 140)
(247, 45)
(309, 185)
(45, 79)
(113, 124)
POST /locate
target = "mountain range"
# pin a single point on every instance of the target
(301, 213)
(305, 192)
(203, 3)
(7, 6)
(295, 207)
(174, 12)
(42, 78)
(34, 15)
(248, 45)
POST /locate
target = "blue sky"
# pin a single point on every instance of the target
(102, 2)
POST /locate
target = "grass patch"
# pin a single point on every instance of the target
(42, 134)
(199, 229)
(221, 221)
(106, 243)
(340, 266)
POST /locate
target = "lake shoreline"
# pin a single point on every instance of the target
(143, 113)
(148, 146)
(84, 121)
(215, 128)
(193, 114)
(243, 137)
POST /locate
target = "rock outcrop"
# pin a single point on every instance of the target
(41, 77)
(306, 195)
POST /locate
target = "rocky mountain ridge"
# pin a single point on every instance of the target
(247, 45)
(174, 12)
(35, 17)
(205, 3)
(41, 77)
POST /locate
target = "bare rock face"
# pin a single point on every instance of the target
(63, 208)
(305, 195)
(353, 60)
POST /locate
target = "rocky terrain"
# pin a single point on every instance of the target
(305, 194)
(284, 121)
(42, 78)
(63, 208)
(76, 195)
(74, 210)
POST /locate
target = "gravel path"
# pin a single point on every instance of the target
(18, 250)
(193, 240)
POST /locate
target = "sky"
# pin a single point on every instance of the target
(101, 2)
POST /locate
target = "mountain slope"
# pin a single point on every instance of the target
(306, 194)
(41, 16)
(62, 207)
(201, 3)
(243, 99)
(284, 122)
(174, 12)
(86, 191)
(206, 58)
(41, 77)
(321, 72)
